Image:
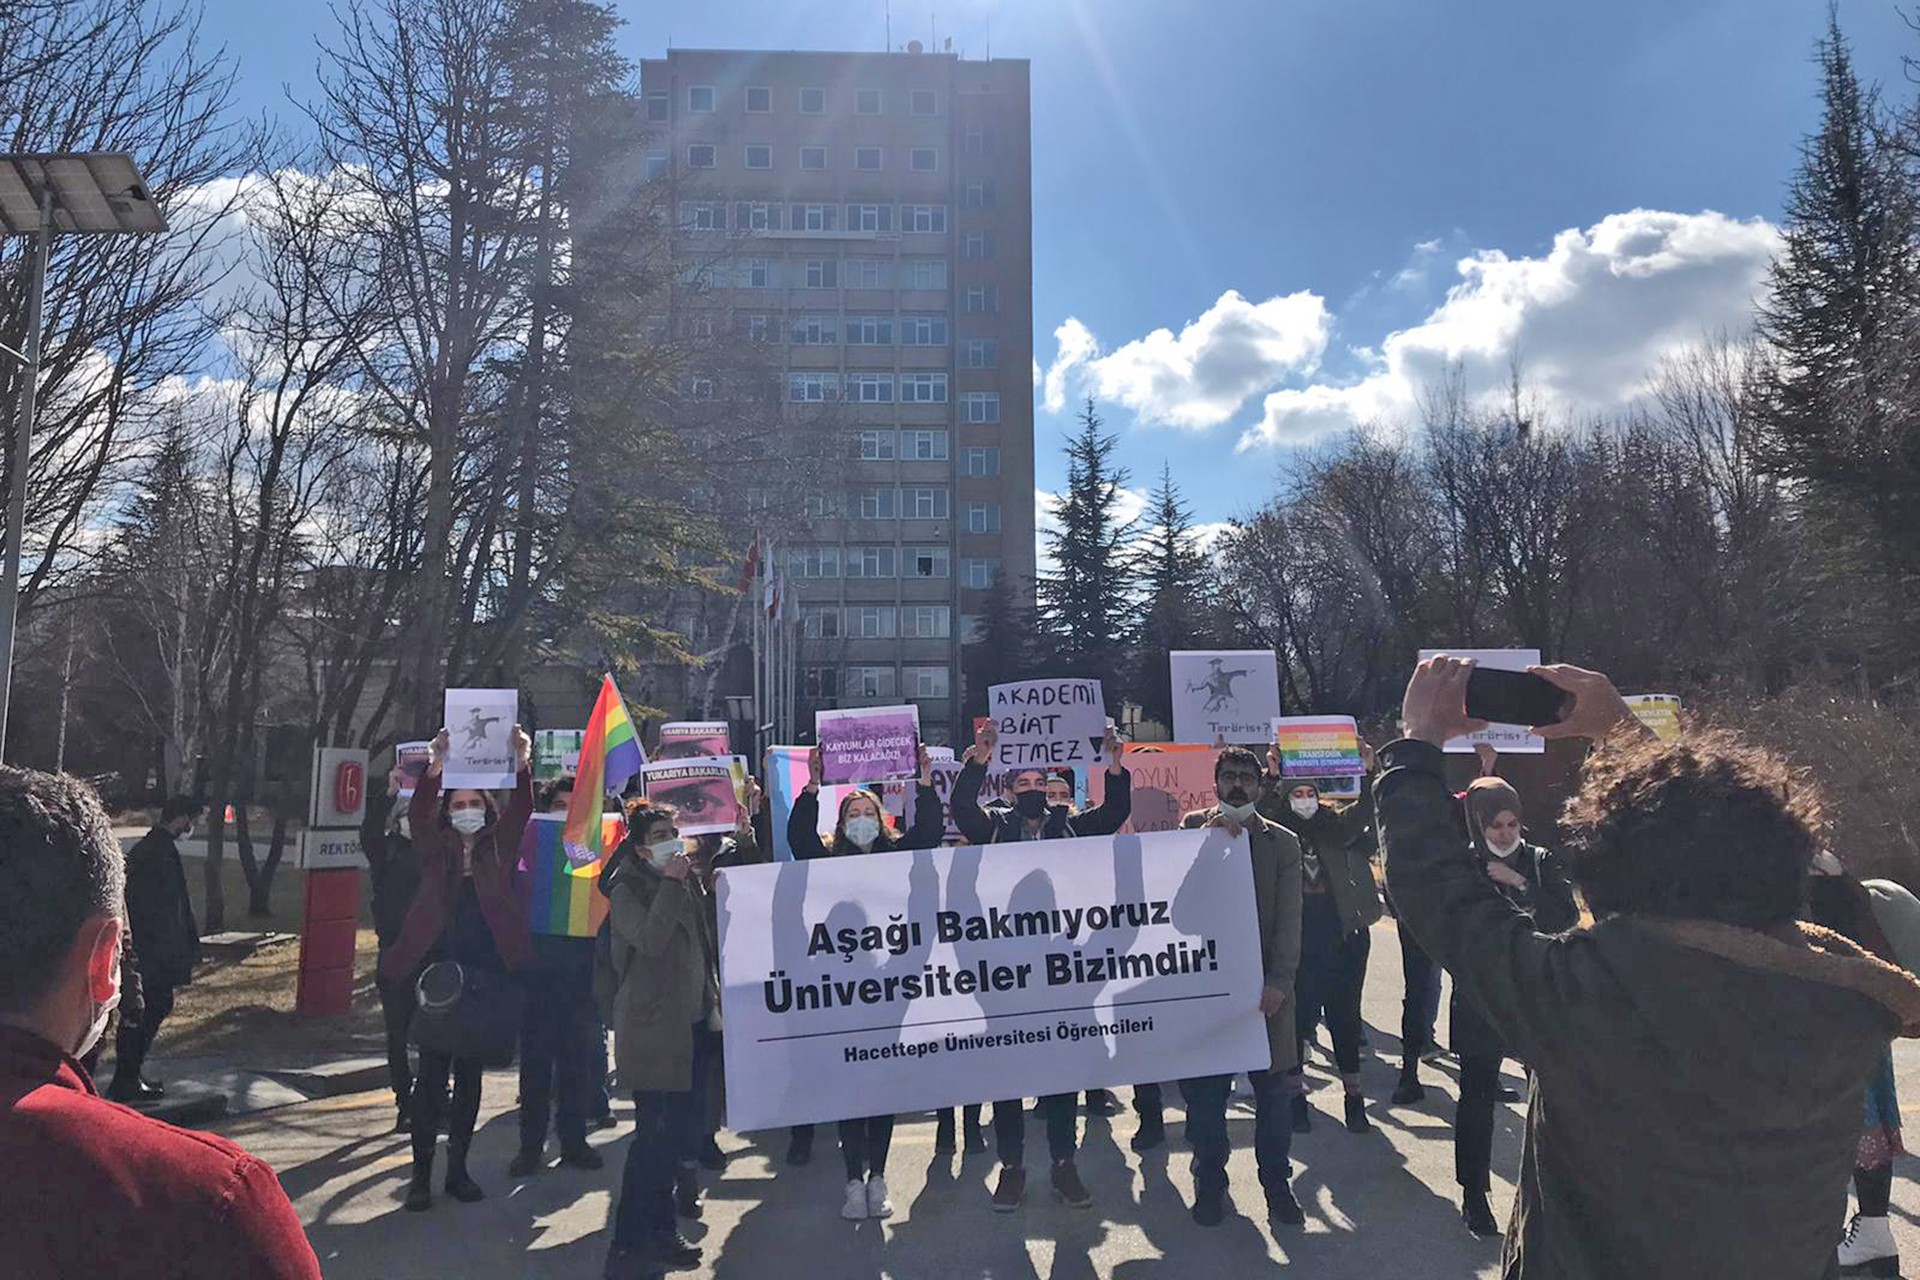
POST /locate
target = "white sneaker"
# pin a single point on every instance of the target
(855, 1209)
(1868, 1249)
(878, 1206)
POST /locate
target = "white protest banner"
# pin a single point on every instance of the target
(868, 744)
(480, 738)
(556, 753)
(1048, 724)
(897, 982)
(1230, 694)
(1508, 739)
(701, 789)
(1660, 712)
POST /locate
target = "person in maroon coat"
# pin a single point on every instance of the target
(95, 1188)
(469, 910)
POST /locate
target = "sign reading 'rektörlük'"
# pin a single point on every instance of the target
(894, 982)
(1048, 724)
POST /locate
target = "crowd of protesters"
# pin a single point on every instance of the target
(1708, 1057)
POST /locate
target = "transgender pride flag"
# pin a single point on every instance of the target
(610, 754)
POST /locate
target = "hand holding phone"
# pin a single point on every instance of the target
(1516, 697)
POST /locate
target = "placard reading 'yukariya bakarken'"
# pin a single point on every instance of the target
(904, 981)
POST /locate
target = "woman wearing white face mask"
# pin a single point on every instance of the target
(862, 827)
(665, 958)
(1340, 902)
(1531, 879)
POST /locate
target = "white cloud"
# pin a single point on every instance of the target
(1201, 376)
(1587, 322)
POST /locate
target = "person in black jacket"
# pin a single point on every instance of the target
(1032, 818)
(161, 916)
(387, 840)
(863, 826)
(1531, 880)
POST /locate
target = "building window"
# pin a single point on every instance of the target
(977, 195)
(867, 273)
(979, 353)
(699, 326)
(870, 388)
(982, 460)
(981, 299)
(815, 217)
(924, 273)
(757, 273)
(924, 160)
(870, 682)
(655, 165)
(697, 388)
(812, 388)
(983, 517)
(875, 504)
(815, 331)
(926, 621)
(976, 141)
(866, 159)
(820, 505)
(820, 684)
(870, 622)
(759, 99)
(869, 331)
(923, 446)
(866, 102)
(759, 157)
(980, 406)
(659, 108)
(756, 215)
(823, 273)
(924, 504)
(815, 562)
(813, 157)
(817, 623)
(702, 215)
(870, 562)
(759, 328)
(700, 155)
(977, 247)
(813, 102)
(928, 682)
(924, 219)
(697, 276)
(928, 562)
(923, 331)
(876, 446)
(700, 98)
(979, 574)
(925, 103)
(870, 217)
(923, 388)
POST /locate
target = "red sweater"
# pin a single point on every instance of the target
(97, 1189)
(496, 880)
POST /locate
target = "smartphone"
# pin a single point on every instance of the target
(1515, 697)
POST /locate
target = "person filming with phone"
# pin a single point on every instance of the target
(1700, 1060)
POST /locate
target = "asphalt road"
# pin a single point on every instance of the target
(1382, 1204)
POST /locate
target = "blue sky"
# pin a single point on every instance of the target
(1306, 178)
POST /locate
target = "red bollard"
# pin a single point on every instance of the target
(327, 936)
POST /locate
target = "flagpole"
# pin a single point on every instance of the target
(759, 671)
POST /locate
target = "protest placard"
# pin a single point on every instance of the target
(411, 759)
(1660, 712)
(689, 739)
(480, 739)
(1224, 694)
(1318, 746)
(900, 982)
(701, 789)
(787, 777)
(1170, 780)
(1508, 739)
(1048, 723)
(556, 753)
(868, 744)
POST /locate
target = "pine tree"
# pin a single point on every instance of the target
(1088, 602)
(1173, 572)
(1003, 647)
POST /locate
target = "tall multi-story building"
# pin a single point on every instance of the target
(876, 214)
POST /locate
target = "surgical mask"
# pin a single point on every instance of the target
(1241, 814)
(1304, 806)
(863, 830)
(1030, 804)
(1503, 851)
(661, 852)
(468, 821)
(98, 1028)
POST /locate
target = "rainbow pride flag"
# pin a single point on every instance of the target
(610, 754)
(563, 897)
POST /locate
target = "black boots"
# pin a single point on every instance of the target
(1478, 1215)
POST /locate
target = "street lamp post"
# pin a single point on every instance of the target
(41, 195)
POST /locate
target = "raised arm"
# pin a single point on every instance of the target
(803, 826)
(1117, 805)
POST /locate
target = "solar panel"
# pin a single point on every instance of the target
(100, 193)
